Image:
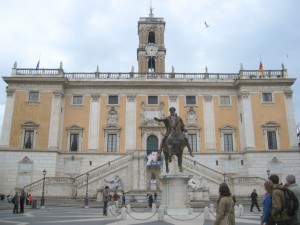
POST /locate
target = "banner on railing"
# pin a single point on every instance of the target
(153, 159)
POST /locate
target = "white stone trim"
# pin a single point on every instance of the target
(289, 107)
(112, 129)
(228, 129)
(94, 123)
(271, 126)
(74, 129)
(209, 123)
(130, 139)
(29, 125)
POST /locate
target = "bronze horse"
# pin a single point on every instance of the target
(174, 143)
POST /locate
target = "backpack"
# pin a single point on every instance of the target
(13, 200)
(291, 203)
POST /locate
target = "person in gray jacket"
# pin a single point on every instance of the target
(294, 187)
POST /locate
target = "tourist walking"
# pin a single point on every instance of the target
(254, 200)
(16, 200)
(280, 216)
(267, 205)
(22, 200)
(116, 198)
(123, 198)
(225, 207)
(155, 196)
(150, 200)
(105, 195)
(294, 187)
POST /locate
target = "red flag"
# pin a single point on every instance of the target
(261, 69)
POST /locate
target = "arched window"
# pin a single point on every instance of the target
(151, 37)
(151, 65)
(152, 143)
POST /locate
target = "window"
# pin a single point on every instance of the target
(228, 143)
(267, 97)
(193, 141)
(112, 143)
(228, 138)
(75, 134)
(29, 134)
(152, 100)
(77, 100)
(190, 100)
(113, 100)
(112, 136)
(33, 96)
(272, 143)
(151, 37)
(28, 139)
(271, 135)
(74, 142)
(225, 100)
(151, 65)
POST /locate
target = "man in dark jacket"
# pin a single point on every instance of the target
(254, 200)
(278, 202)
(22, 200)
(105, 200)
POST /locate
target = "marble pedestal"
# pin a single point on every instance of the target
(175, 192)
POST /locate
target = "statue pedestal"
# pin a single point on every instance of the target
(175, 193)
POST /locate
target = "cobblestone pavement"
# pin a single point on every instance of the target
(93, 216)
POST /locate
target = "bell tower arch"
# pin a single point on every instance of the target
(151, 51)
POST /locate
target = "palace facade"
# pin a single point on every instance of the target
(240, 125)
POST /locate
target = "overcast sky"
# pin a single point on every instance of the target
(86, 33)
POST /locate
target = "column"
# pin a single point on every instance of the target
(55, 120)
(94, 123)
(246, 120)
(130, 138)
(289, 107)
(209, 123)
(7, 120)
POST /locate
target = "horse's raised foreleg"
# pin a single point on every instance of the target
(179, 157)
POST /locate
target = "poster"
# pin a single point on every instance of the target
(153, 159)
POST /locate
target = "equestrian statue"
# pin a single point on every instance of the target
(175, 139)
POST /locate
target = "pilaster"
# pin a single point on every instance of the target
(94, 123)
(209, 123)
(130, 139)
(289, 107)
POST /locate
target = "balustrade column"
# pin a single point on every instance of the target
(130, 139)
(94, 120)
(209, 123)
(246, 121)
(7, 120)
(291, 119)
(55, 120)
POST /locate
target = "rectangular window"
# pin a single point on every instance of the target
(77, 100)
(267, 97)
(28, 139)
(193, 141)
(225, 100)
(272, 142)
(190, 100)
(112, 143)
(113, 100)
(33, 96)
(152, 100)
(228, 143)
(74, 142)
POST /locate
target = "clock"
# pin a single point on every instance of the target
(151, 49)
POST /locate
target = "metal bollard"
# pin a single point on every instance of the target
(123, 213)
(236, 211)
(113, 207)
(161, 213)
(206, 213)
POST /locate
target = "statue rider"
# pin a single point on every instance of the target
(167, 122)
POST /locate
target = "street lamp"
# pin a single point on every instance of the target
(224, 175)
(86, 202)
(43, 198)
(268, 172)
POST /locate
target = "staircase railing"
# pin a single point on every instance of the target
(81, 179)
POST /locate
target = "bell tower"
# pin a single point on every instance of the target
(151, 52)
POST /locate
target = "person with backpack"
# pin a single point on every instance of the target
(267, 204)
(16, 200)
(294, 187)
(278, 211)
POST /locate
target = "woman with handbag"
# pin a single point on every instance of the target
(225, 207)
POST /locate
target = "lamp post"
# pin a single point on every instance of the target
(224, 175)
(86, 201)
(268, 172)
(43, 198)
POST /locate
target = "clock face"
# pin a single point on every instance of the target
(151, 49)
